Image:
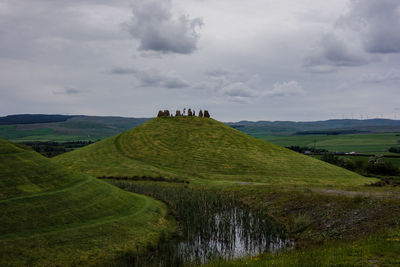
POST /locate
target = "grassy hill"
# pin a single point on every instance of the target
(52, 216)
(192, 147)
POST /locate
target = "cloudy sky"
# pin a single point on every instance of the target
(255, 60)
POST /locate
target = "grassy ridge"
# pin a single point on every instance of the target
(201, 148)
(51, 216)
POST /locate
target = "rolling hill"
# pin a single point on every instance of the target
(61, 128)
(192, 147)
(52, 216)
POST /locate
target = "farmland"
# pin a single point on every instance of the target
(360, 143)
(25, 128)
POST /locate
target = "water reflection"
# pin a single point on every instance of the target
(212, 226)
(229, 235)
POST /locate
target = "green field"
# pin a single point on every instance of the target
(360, 143)
(10, 132)
(77, 128)
(191, 147)
(52, 216)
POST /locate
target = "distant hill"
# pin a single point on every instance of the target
(345, 126)
(36, 127)
(192, 147)
(32, 118)
(63, 128)
(51, 216)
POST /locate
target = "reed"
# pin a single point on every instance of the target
(213, 224)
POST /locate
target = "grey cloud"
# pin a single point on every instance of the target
(122, 71)
(233, 86)
(216, 73)
(314, 65)
(333, 52)
(241, 88)
(291, 88)
(67, 91)
(175, 82)
(238, 89)
(379, 23)
(369, 26)
(337, 53)
(153, 78)
(393, 75)
(155, 27)
(239, 99)
(46, 29)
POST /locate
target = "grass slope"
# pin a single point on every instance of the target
(52, 216)
(201, 148)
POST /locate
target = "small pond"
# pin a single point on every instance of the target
(212, 226)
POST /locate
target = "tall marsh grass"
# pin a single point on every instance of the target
(212, 225)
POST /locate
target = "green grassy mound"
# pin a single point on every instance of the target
(192, 147)
(52, 216)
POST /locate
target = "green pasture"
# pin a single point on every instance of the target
(77, 128)
(360, 143)
(52, 216)
(8, 132)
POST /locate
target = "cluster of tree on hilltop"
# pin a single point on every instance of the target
(189, 113)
